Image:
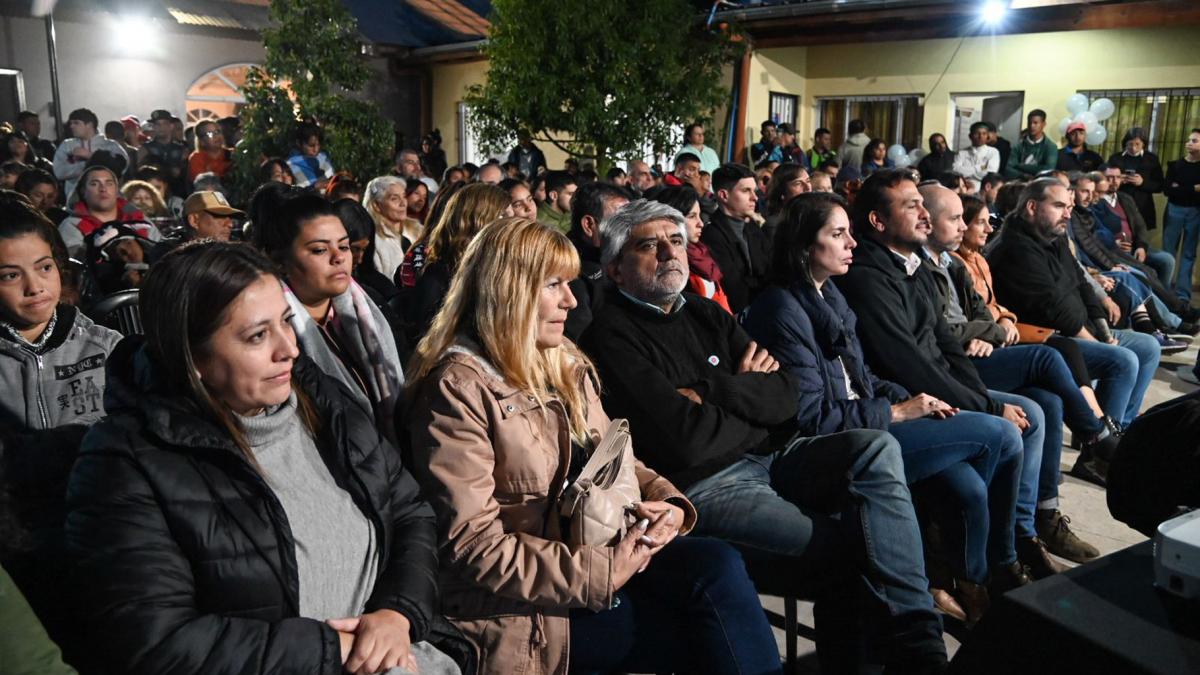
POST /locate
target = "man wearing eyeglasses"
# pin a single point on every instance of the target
(210, 153)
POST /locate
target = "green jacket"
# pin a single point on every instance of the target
(547, 215)
(1028, 159)
(25, 649)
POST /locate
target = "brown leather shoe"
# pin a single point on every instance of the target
(1032, 553)
(1053, 528)
(974, 600)
(946, 604)
(1007, 577)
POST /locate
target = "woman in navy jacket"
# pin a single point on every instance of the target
(974, 458)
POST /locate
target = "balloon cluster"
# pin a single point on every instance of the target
(904, 158)
(1089, 116)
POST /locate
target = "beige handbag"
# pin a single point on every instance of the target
(596, 503)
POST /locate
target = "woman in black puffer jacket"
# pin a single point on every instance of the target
(238, 512)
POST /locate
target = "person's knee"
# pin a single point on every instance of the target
(880, 448)
(1144, 348)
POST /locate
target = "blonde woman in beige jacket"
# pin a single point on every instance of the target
(503, 413)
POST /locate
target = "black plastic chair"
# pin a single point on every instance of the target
(119, 312)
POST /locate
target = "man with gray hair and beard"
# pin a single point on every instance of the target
(712, 411)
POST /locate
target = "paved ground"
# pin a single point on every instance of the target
(1083, 502)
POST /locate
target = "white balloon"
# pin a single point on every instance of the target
(1103, 108)
(902, 162)
(1062, 126)
(1077, 103)
(897, 151)
(1088, 118)
(915, 155)
(1097, 135)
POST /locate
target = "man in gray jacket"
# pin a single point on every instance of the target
(73, 155)
(851, 152)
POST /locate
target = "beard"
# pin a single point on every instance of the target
(669, 280)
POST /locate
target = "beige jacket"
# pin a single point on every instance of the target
(492, 463)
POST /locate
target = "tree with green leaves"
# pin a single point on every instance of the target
(313, 70)
(597, 79)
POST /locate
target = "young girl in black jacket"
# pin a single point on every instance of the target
(238, 511)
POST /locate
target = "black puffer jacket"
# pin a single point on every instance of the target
(184, 555)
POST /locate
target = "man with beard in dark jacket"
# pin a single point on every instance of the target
(734, 237)
(940, 159)
(592, 204)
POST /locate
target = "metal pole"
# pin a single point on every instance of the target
(56, 103)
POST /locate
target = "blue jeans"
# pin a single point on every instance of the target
(1182, 222)
(1162, 262)
(1033, 441)
(974, 461)
(835, 502)
(693, 610)
(1124, 371)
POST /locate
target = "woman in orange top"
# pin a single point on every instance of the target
(704, 275)
(211, 153)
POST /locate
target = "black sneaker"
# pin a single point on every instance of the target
(1188, 328)
(1091, 469)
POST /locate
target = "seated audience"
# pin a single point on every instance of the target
(555, 210)
(41, 189)
(1000, 143)
(336, 324)
(686, 172)
(523, 204)
(939, 159)
(385, 199)
(711, 410)
(155, 177)
(52, 372)
(210, 155)
(416, 200)
(309, 164)
(972, 459)
(788, 181)
(218, 418)
(591, 204)
(875, 157)
(468, 211)
(692, 608)
(361, 228)
(821, 182)
(489, 173)
(907, 340)
(1121, 215)
(1143, 174)
(1038, 278)
(167, 154)
(978, 160)
(704, 276)
(276, 169)
(117, 257)
(738, 245)
(147, 199)
(98, 201)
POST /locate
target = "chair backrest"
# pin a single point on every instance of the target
(119, 312)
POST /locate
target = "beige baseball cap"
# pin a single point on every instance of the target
(208, 200)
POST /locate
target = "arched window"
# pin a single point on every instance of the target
(217, 93)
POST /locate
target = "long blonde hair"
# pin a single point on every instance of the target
(493, 300)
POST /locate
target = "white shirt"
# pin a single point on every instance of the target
(975, 163)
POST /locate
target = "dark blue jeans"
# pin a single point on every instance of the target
(830, 502)
(693, 610)
(973, 460)
(1040, 374)
(1124, 371)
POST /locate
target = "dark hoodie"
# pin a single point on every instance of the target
(903, 333)
(588, 287)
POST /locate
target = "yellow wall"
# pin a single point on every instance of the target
(1048, 67)
(450, 82)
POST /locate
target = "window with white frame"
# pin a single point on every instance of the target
(1167, 116)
